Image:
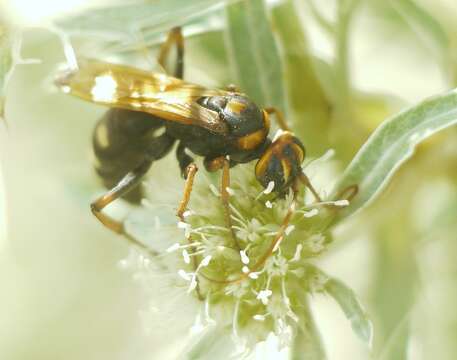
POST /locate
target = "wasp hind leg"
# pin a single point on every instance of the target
(127, 183)
(174, 38)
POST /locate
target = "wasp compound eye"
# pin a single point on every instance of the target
(281, 162)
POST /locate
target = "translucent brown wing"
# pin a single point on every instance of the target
(129, 88)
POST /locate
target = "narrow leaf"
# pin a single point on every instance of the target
(307, 343)
(6, 65)
(125, 22)
(254, 54)
(346, 298)
(213, 343)
(309, 115)
(391, 144)
(424, 25)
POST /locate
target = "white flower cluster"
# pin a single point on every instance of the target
(254, 283)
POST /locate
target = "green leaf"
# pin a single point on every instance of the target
(6, 65)
(390, 145)
(213, 343)
(347, 300)
(307, 342)
(424, 25)
(309, 103)
(254, 54)
(124, 22)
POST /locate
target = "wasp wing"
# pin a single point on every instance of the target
(133, 89)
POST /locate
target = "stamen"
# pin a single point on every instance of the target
(276, 247)
(184, 275)
(269, 188)
(204, 262)
(230, 191)
(244, 257)
(263, 296)
(289, 229)
(214, 190)
(341, 202)
(173, 247)
(193, 281)
(186, 256)
(259, 317)
(268, 204)
(311, 213)
(297, 253)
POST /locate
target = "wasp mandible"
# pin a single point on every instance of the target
(225, 127)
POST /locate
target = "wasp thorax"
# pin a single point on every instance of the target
(280, 164)
(241, 115)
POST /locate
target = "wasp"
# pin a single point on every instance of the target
(150, 112)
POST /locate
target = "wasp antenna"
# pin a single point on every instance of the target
(305, 180)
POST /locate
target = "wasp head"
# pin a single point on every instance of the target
(280, 164)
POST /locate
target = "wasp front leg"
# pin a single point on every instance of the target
(224, 163)
(176, 39)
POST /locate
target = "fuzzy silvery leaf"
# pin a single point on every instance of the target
(391, 144)
(347, 300)
(254, 54)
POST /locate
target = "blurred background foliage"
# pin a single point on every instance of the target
(338, 68)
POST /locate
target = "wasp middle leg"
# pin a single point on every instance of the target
(188, 171)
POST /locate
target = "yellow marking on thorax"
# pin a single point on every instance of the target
(235, 107)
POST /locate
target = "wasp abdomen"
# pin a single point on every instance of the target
(124, 139)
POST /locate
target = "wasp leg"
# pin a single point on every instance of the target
(127, 183)
(184, 160)
(188, 170)
(279, 117)
(223, 163)
(174, 38)
(190, 175)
